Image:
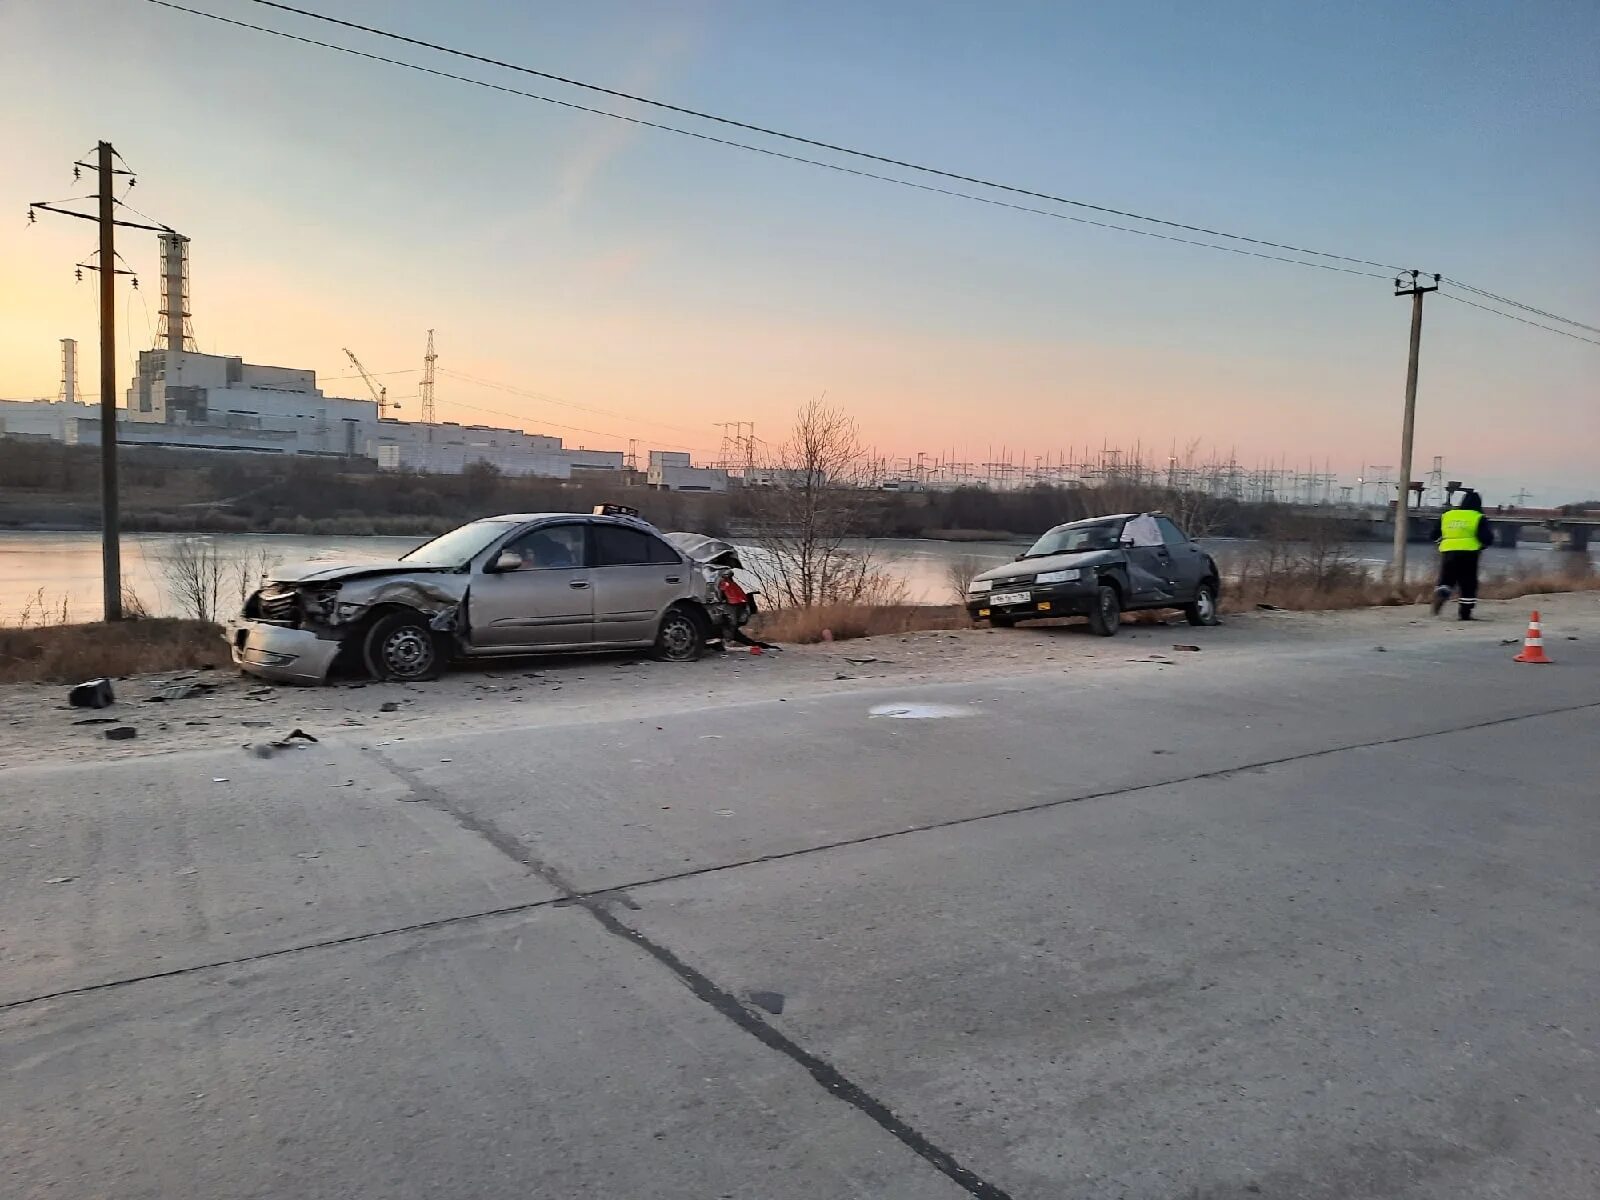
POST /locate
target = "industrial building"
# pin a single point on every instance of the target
(181, 398)
(673, 471)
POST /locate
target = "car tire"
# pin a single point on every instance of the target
(682, 636)
(1105, 618)
(403, 647)
(1204, 609)
(1002, 622)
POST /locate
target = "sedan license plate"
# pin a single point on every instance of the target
(1011, 598)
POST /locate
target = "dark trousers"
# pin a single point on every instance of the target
(1458, 572)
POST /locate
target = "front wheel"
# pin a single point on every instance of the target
(1204, 609)
(402, 646)
(682, 636)
(1105, 618)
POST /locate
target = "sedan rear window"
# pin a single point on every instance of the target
(615, 546)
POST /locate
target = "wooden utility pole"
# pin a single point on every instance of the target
(1408, 283)
(105, 168)
(110, 543)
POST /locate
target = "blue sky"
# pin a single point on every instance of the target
(335, 202)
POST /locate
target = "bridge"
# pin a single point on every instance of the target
(1567, 529)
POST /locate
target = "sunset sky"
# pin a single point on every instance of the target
(676, 284)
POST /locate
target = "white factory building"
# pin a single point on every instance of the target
(183, 399)
(673, 471)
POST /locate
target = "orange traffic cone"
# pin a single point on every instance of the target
(1533, 644)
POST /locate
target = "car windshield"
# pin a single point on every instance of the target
(457, 548)
(1081, 535)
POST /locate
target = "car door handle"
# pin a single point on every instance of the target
(674, 579)
(578, 583)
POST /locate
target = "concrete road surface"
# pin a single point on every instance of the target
(1314, 923)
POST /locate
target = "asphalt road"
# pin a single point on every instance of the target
(1322, 923)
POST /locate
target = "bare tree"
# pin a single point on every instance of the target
(196, 574)
(807, 502)
(250, 566)
(960, 572)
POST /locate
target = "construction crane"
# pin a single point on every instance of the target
(379, 394)
(428, 361)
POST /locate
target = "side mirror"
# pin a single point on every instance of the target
(506, 560)
(1019, 558)
(1125, 543)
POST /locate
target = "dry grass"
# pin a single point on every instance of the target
(1304, 592)
(841, 622)
(73, 653)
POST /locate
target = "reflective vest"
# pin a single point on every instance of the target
(1458, 530)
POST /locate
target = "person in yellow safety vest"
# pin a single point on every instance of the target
(1462, 533)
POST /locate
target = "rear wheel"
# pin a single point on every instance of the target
(402, 646)
(1105, 618)
(682, 636)
(1204, 609)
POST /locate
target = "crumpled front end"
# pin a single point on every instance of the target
(293, 631)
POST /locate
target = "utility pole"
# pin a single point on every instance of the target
(110, 517)
(105, 262)
(1408, 283)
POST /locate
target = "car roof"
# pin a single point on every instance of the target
(605, 518)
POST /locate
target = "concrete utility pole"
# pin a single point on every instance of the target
(110, 517)
(1408, 283)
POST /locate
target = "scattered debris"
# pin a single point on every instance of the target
(1509, 641)
(181, 689)
(122, 733)
(772, 1002)
(61, 879)
(1269, 607)
(1177, 646)
(389, 706)
(862, 661)
(95, 693)
(96, 721)
(219, 779)
(287, 742)
(842, 675)
(1381, 649)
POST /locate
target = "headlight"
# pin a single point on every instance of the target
(980, 585)
(1066, 576)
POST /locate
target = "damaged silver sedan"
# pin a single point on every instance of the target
(508, 585)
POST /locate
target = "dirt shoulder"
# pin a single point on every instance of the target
(36, 724)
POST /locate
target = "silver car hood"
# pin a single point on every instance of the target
(333, 572)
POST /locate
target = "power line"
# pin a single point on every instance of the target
(813, 162)
(815, 143)
(1522, 320)
(840, 149)
(500, 412)
(1539, 312)
(549, 399)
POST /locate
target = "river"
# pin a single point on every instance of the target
(55, 573)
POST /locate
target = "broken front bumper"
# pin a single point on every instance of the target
(281, 654)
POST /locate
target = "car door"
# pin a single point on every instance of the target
(1149, 563)
(636, 575)
(546, 600)
(1188, 560)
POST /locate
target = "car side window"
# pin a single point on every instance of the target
(1170, 533)
(549, 547)
(617, 546)
(1142, 531)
